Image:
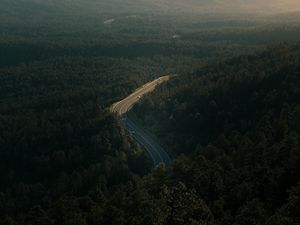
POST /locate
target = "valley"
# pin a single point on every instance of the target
(97, 128)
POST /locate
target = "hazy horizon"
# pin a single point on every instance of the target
(172, 6)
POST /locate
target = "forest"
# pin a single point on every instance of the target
(234, 132)
(235, 128)
(230, 119)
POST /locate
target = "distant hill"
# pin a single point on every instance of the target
(98, 7)
(231, 6)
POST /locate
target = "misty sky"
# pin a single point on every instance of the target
(139, 6)
(260, 6)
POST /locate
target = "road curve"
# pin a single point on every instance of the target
(156, 152)
(124, 105)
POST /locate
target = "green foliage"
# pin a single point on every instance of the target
(237, 123)
(232, 125)
(57, 138)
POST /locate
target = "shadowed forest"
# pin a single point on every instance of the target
(230, 119)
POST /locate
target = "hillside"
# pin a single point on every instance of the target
(234, 126)
(230, 120)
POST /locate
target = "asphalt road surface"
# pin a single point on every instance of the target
(156, 152)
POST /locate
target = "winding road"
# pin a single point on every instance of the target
(156, 152)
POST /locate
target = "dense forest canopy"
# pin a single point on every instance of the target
(230, 119)
(237, 124)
